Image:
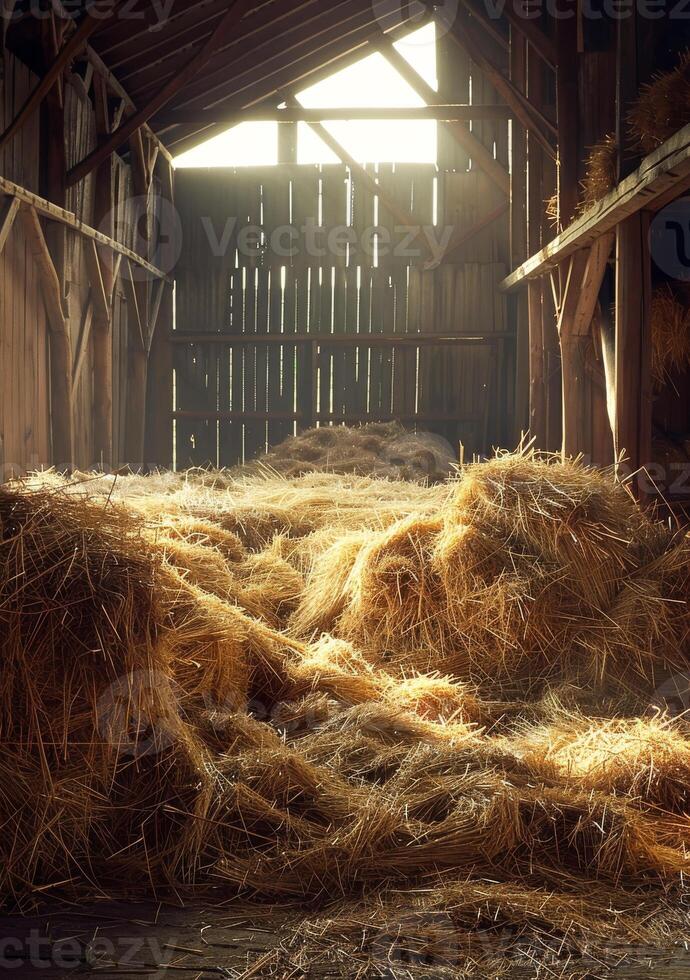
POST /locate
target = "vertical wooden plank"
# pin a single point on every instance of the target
(633, 428)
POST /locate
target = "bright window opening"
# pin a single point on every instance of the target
(372, 82)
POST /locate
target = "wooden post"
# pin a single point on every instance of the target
(541, 320)
(568, 115)
(102, 332)
(633, 415)
(572, 365)
(49, 250)
(158, 444)
(518, 236)
(575, 436)
(633, 425)
(62, 427)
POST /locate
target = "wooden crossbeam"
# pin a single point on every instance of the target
(159, 290)
(55, 213)
(83, 342)
(9, 213)
(99, 295)
(307, 71)
(338, 340)
(661, 175)
(590, 287)
(134, 309)
(63, 59)
(52, 289)
(218, 38)
(478, 152)
(293, 114)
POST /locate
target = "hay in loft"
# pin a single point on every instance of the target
(601, 171)
(551, 206)
(662, 107)
(382, 450)
(476, 722)
(670, 326)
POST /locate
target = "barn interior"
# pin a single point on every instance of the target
(344, 487)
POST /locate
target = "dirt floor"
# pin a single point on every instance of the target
(119, 940)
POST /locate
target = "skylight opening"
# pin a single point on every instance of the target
(370, 83)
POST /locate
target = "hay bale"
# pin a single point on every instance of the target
(670, 328)
(601, 171)
(382, 450)
(662, 107)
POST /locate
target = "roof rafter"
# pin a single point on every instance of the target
(168, 92)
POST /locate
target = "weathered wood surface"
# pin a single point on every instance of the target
(111, 941)
(266, 340)
(661, 172)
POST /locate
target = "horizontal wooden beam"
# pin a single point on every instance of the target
(306, 71)
(443, 113)
(328, 340)
(322, 417)
(645, 189)
(68, 218)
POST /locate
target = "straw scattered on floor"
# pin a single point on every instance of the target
(451, 704)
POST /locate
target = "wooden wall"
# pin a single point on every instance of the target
(25, 396)
(234, 398)
(24, 386)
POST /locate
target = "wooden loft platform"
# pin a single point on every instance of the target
(661, 177)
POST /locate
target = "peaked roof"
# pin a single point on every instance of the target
(278, 45)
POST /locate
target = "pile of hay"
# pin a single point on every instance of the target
(662, 107)
(601, 171)
(670, 327)
(378, 449)
(420, 704)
